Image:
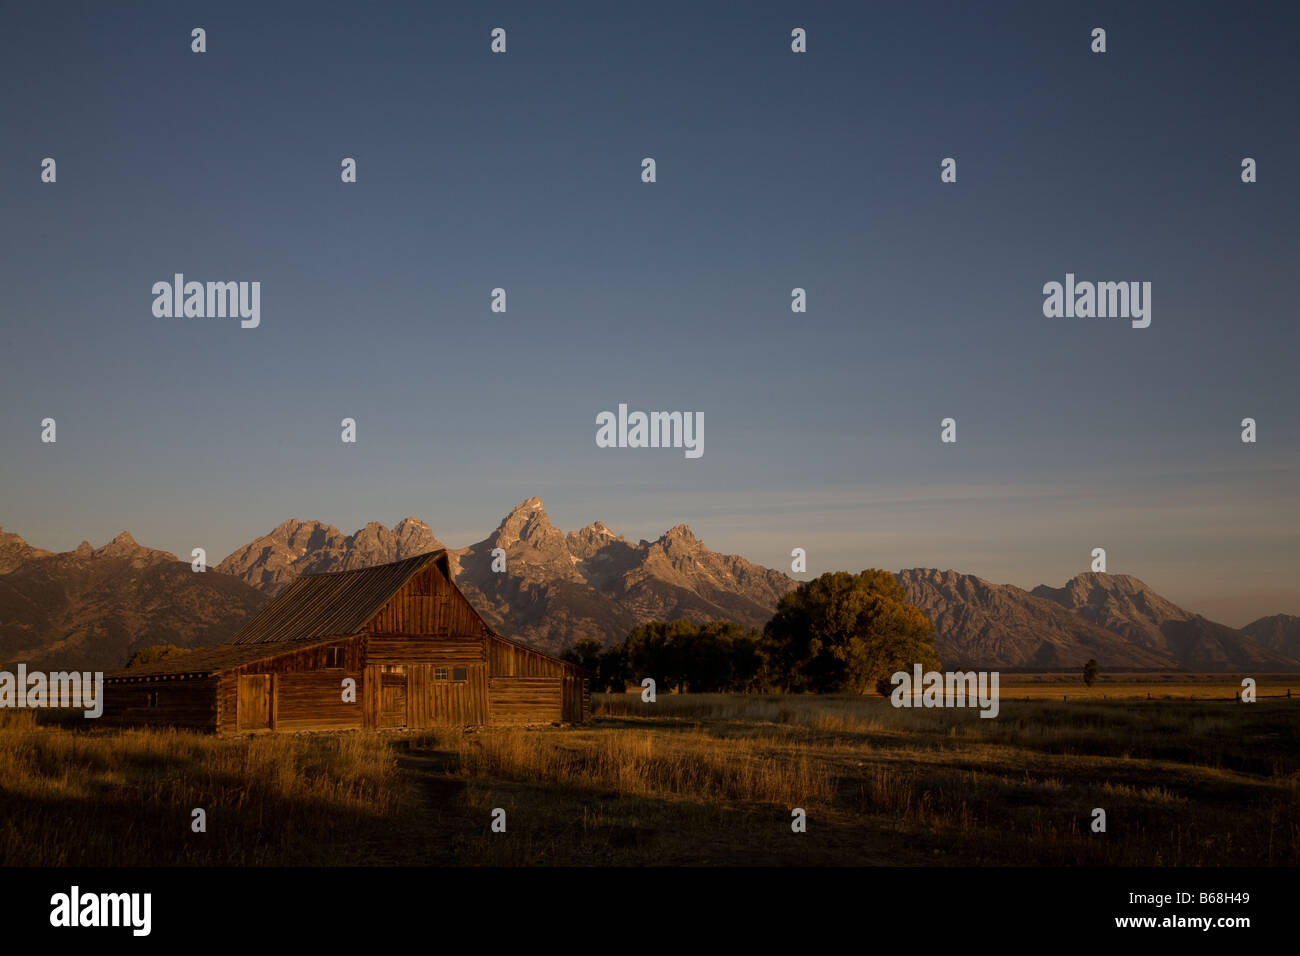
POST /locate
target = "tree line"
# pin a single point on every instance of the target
(839, 633)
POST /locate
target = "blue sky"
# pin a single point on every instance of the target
(775, 170)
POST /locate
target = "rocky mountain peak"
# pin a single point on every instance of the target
(1092, 581)
(294, 548)
(679, 536)
(968, 586)
(596, 540)
(14, 551)
(124, 546)
(414, 537)
(373, 534)
(529, 525)
(285, 529)
(976, 621)
(1117, 601)
(1278, 632)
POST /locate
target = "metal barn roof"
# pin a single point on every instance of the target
(334, 604)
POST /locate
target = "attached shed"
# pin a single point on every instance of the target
(416, 651)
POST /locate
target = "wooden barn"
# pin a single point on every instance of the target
(418, 653)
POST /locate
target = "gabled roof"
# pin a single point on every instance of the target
(334, 604)
(205, 662)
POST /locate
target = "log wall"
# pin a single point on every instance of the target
(510, 661)
(314, 701)
(526, 700)
(191, 704)
(305, 683)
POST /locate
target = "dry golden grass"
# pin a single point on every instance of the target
(676, 766)
(690, 779)
(1170, 686)
(126, 798)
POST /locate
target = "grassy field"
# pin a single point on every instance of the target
(690, 779)
(1161, 686)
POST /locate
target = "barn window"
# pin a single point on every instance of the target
(440, 673)
(334, 657)
(394, 668)
(459, 673)
(151, 698)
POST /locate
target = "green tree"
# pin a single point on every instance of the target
(845, 632)
(727, 656)
(607, 666)
(585, 652)
(1090, 672)
(612, 673)
(707, 664)
(748, 662)
(156, 652)
(661, 650)
(712, 657)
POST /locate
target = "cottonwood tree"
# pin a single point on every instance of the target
(1090, 672)
(613, 672)
(662, 651)
(680, 655)
(846, 632)
(607, 666)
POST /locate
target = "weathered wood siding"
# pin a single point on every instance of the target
(518, 702)
(526, 700)
(437, 701)
(508, 659)
(393, 701)
(306, 690)
(422, 648)
(429, 628)
(576, 698)
(191, 704)
(370, 696)
(253, 702)
(314, 701)
(429, 604)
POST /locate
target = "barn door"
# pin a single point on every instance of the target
(392, 700)
(254, 702)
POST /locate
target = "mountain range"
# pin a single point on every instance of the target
(1114, 618)
(556, 587)
(91, 607)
